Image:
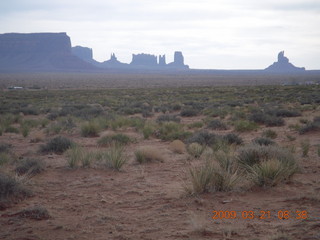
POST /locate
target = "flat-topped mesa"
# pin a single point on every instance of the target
(84, 53)
(283, 65)
(33, 43)
(38, 52)
(142, 59)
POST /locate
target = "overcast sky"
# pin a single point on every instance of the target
(215, 34)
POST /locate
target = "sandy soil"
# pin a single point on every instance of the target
(148, 201)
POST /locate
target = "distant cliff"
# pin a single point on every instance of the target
(283, 65)
(38, 52)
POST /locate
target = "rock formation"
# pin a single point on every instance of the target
(283, 65)
(146, 60)
(178, 61)
(113, 63)
(83, 53)
(162, 60)
(38, 51)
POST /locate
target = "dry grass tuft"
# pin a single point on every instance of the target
(178, 146)
(148, 154)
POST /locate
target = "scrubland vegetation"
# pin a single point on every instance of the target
(228, 139)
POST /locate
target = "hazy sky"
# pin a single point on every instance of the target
(216, 34)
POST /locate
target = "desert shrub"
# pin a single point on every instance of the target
(114, 157)
(269, 173)
(56, 145)
(29, 111)
(263, 141)
(77, 155)
(147, 131)
(4, 158)
(269, 134)
(217, 125)
(90, 129)
(258, 117)
(213, 176)
(63, 124)
(85, 112)
(254, 154)
(203, 138)
(168, 118)
(268, 120)
(5, 147)
(148, 154)
(119, 138)
(318, 150)
(267, 165)
(25, 129)
(36, 213)
(11, 190)
(30, 166)
(232, 138)
(274, 121)
(311, 127)
(172, 131)
(221, 145)
(195, 125)
(284, 113)
(188, 113)
(305, 147)
(178, 146)
(245, 126)
(11, 129)
(195, 149)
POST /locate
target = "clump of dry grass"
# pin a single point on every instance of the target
(195, 150)
(219, 173)
(148, 154)
(178, 146)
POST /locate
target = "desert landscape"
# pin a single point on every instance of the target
(159, 157)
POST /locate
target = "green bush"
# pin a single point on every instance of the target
(188, 113)
(269, 134)
(311, 126)
(195, 125)
(11, 129)
(203, 138)
(77, 155)
(90, 129)
(11, 190)
(245, 126)
(217, 125)
(305, 147)
(232, 138)
(56, 145)
(213, 176)
(270, 173)
(5, 147)
(268, 120)
(114, 157)
(274, 121)
(169, 131)
(4, 158)
(267, 165)
(119, 138)
(168, 118)
(263, 141)
(30, 166)
(195, 149)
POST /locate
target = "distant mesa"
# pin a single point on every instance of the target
(139, 61)
(39, 51)
(283, 65)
